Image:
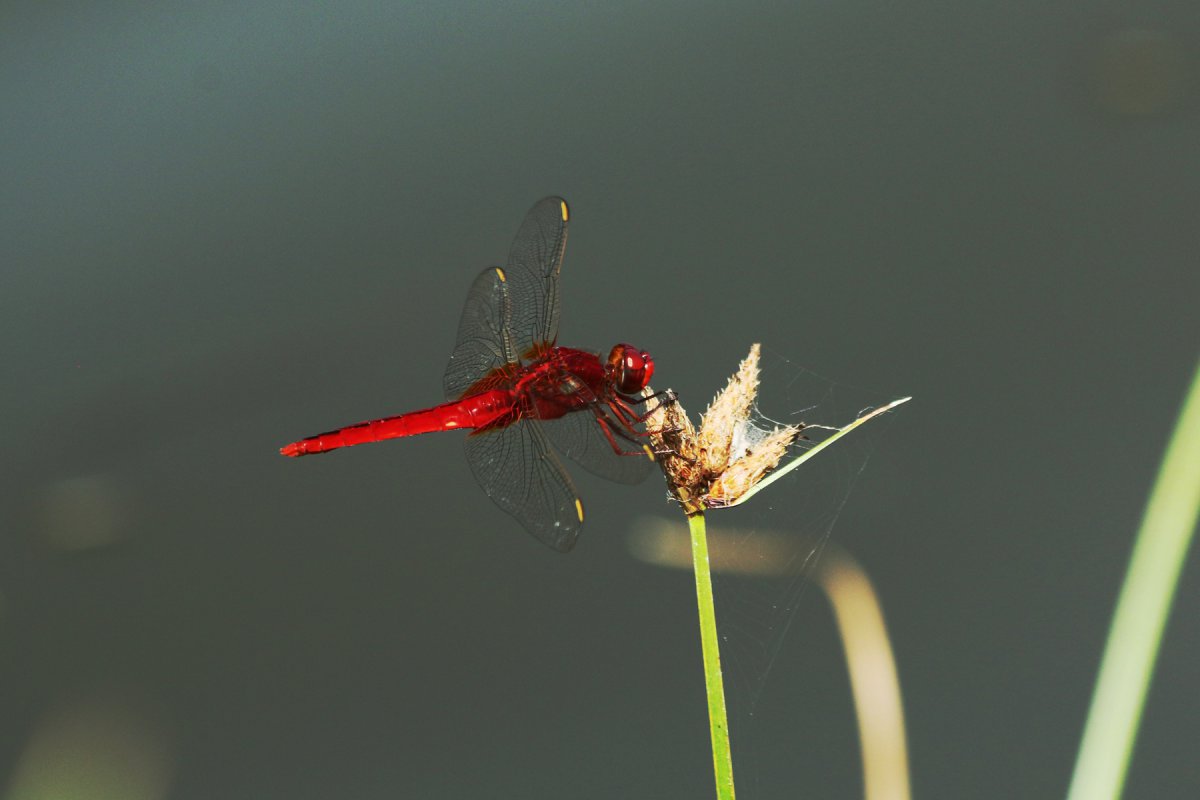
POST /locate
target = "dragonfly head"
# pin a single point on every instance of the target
(629, 368)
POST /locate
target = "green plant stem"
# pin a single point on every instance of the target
(1142, 610)
(718, 722)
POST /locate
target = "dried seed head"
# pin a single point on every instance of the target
(674, 439)
(727, 411)
(745, 472)
(729, 455)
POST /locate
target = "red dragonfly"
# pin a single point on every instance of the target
(519, 391)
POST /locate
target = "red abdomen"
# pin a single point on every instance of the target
(476, 411)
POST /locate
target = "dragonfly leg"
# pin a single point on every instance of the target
(622, 406)
(614, 428)
(665, 398)
(623, 428)
(630, 417)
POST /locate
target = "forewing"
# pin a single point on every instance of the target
(517, 469)
(533, 267)
(580, 437)
(484, 334)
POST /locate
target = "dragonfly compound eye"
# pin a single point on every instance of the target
(632, 368)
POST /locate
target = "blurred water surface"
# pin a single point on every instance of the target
(223, 226)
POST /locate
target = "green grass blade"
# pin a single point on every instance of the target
(812, 451)
(1136, 633)
(718, 722)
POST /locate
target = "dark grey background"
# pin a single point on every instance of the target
(226, 225)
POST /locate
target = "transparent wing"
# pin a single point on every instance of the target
(580, 437)
(534, 263)
(484, 334)
(518, 470)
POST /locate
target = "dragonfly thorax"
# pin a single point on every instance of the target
(629, 368)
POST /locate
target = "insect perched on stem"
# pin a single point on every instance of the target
(519, 392)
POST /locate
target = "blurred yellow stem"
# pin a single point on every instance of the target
(873, 679)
